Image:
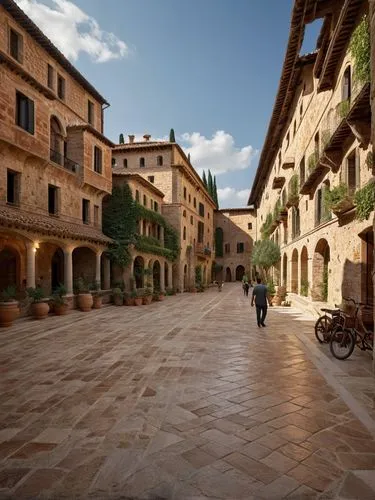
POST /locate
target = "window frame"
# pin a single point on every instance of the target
(90, 112)
(85, 211)
(142, 162)
(61, 87)
(55, 190)
(98, 160)
(50, 77)
(18, 55)
(16, 187)
(26, 122)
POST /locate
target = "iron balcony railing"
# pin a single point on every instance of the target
(65, 162)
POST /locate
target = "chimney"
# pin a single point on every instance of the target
(147, 137)
(131, 139)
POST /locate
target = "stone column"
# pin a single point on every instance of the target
(98, 256)
(30, 264)
(170, 275)
(106, 273)
(68, 270)
(162, 235)
(162, 277)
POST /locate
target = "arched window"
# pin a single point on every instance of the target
(346, 85)
(141, 162)
(352, 171)
(184, 213)
(144, 200)
(159, 160)
(302, 171)
(137, 195)
(184, 234)
(56, 141)
(125, 162)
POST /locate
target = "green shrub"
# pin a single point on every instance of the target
(335, 196)
(8, 294)
(365, 201)
(360, 48)
(36, 294)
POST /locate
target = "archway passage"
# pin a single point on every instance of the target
(294, 283)
(57, 269)
(9, 265)
(285, 270)
(228, 275)
(156, 275)
(320, 271)
(240, 271)
(166, 281)
(84, 264)
(304, 285)
(139, 264)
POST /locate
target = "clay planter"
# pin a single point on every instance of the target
(129, 301)
(138, 301)
(147, 300)
(276, 301)
(161, 297)
(8, 313)
(60, 309)
(85, 301)
(39, 310)
(272, 297)
(97, 302)
(118, 300)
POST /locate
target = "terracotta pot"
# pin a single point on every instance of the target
(97, 302)
(138, 301)
(85, 301)
(147, 299)
(60, 309)
(118, 300)
(39, 310)
(161, 297)
(129, 301)
(8, 313)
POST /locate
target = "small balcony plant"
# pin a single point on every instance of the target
(96, 295)
(338, 199)
(8, 306)
(147, 296)
(84, 299)
(39, 306)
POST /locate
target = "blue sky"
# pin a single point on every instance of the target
(208, 68)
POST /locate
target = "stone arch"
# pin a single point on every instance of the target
(57, 268)
(320, 271)
(156, 275)
(228, 274)
(57, 140)
(240, 271)
(84, 264)
(304, 284)
(294, 276)
(139, 266)
(10, 267)
(285, 270)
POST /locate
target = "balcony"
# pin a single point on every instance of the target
(201, 250)
(63, 161)
(316, 170)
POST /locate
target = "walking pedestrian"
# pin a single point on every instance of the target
(247, 289)
(260, 297)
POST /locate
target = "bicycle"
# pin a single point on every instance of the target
(345, 337)
(325, 323)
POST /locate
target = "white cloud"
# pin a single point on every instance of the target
(73, 31)
(217, 154)
(229, 197)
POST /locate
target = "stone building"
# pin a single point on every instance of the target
(55, 163)
(150, 231)
(186, 206)
(317, 155)
(234, 236)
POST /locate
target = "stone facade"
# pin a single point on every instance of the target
(186, 205)
(319, 135)
(238, 227)
(55, 164)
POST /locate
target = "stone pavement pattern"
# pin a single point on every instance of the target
(183, 399)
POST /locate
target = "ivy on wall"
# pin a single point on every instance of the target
(365, 201)
(219, 242)
(360, 48)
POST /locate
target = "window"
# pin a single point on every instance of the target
(50, 77)
(208, 215)
(300, 111)
(151, 178)
(200, 232)
(195, 202)
(240, 248)
(25, 112)
(125, 163)
(97, 160)
(302, 172)
(201, 209)
(159, 160)
(346, 85)
(184, 234)
(184, 213)
(185, 193)
(144, 200)
(156, 207)
(86, 211)
(249, 225)
(189, 198)
(96, 215)
(90, 112)
(191, 220)
(318, 206)
(113, 162)
(227, 248)
(141, 162)
(13, 187)
(52, 199)
(137, 195)
(61, 87)
(352, 172)
(295, 222)
(294, 128)
(16, 45)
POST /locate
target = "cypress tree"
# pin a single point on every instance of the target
(189, 157)
(171, 136)
(215, 193)
(204, 179)
(121, 139)
(210, 184)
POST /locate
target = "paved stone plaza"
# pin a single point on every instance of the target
(183, 399)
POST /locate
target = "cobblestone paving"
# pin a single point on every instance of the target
(183, 399)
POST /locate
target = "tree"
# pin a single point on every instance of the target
(215, 193)
(204, 179)
(210, 183)
(265, 255)
(121, 139)
(171, 136)
(189, 157)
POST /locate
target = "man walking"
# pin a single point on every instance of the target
(260, 296)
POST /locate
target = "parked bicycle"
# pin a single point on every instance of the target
(327, 322)
(345, 337)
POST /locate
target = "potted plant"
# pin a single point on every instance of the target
(147, 296)
(84, 299)
(133, 296)
(271, 291)
(39, 307)
(138, 299)
(8, 306)
(96, 296)
(118, 297)
(128, 300)
(59, 304)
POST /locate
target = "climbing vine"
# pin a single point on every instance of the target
(365, 201)
(360, 49)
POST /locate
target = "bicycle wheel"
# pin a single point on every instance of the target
(342, 342)
(323, 327)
